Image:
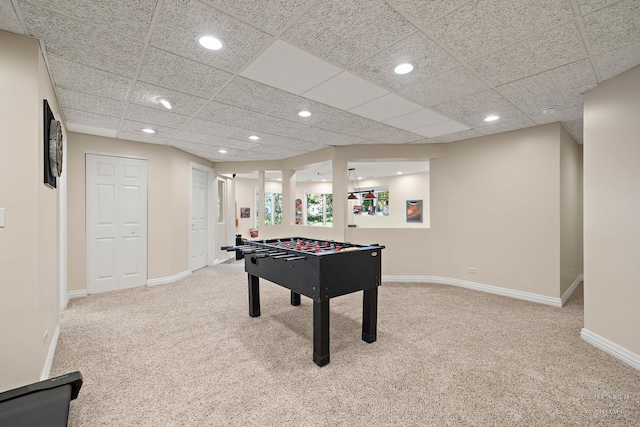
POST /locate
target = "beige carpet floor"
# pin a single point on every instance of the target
(188, 354)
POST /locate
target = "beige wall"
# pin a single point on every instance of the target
(571, 208)
(168, 204)
(495, 204)
(29, 288)
(612, 210)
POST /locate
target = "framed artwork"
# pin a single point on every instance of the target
(414, 210)
(298, 211)
(52, 147)
(245, 212)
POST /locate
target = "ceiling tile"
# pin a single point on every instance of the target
(568, 114)
(209, 127)
(385, 107)
(345, 123)
(281, 141)
(441, 128)
(129, 18)
(183, 20)
(82, 43)
(471, 110)
(91, 130)
(617, 61)
(142, 137)
(614, 26)
(288, 68)
(250, 95)
(427, 11)
(290, 110)
(174, 72)
(136, 127)
(289, 152)
(379, 132)
(484, 26)
(277, 126)
(273, 15)
(90, 119)
(551, 49)
(88, 80)
(200, 138)
(457, 136)
(417, 119)
(154, 116)
(444, 87)
(8, 19)
(90, 103)
(393, 135)
(504, 125)
(587, 6)
(562, 87)
(228, 114)
(428, 57)
(147, 95)
(344, 32)
(345, 91)
(323, 136)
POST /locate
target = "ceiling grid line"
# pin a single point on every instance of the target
(147, 39)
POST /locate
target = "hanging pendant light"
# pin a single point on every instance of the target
(351, 195)
(370, 195)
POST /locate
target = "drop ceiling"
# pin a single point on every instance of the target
(111, 60)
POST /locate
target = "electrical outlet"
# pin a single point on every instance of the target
(472, 270)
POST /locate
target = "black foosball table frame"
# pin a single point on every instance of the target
(317, 269)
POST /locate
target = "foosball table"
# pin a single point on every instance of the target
(317, 269)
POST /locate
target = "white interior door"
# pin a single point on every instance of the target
(116, 215)
(199, 236)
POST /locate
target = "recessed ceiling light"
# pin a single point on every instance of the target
(404, 68)
(254, 137)
(398, 173)
(304, 113)
(210, 42)
(550, 110)
(148, 130)
(167, 103)
(223, 151)
(491, 118)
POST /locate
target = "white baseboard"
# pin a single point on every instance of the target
(572, 288)
(78, 294)
(527, 296)
(170, 279)
(611, 348)
(52, 351)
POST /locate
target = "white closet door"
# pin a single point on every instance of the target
(199, 235)
(116, 215)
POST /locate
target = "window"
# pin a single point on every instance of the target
(272, 208)
(221, 201)
(320, 210)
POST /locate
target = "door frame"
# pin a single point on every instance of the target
(211, 176)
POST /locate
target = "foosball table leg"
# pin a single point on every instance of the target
(254, 296)
(370, 314)
(321, 332)
(295, 298)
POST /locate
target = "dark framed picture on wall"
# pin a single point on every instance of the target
(245, 212)
(52, 131)
(414, 210)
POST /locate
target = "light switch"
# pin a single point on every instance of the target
(2, 217)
